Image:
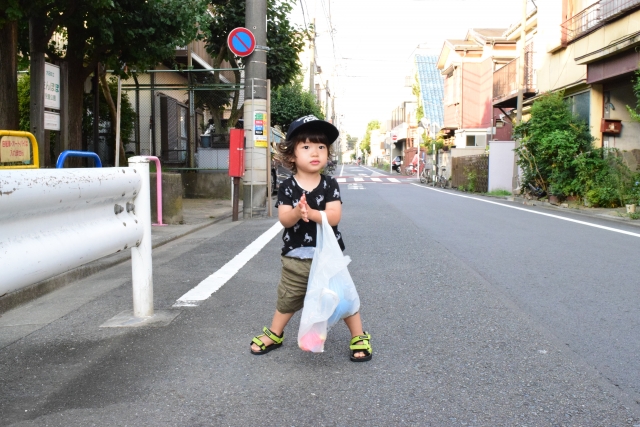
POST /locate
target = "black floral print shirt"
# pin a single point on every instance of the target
(303, 234)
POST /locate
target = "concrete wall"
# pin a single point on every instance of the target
(207, 185)
(171, 198)
(501, 160)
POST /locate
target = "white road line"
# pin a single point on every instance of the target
(358, 179)
(376, 179)
(342, 169)
(534, 212)
(393, 179)
(214, 282)
(341, 179)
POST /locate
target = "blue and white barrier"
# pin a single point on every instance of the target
(53, 220)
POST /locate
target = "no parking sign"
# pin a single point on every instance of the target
(241, 42)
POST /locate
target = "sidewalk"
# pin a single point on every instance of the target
(197, 214)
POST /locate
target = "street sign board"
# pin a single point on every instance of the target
(51, 86)
(241, 42)
(51, 120)
(260, 125)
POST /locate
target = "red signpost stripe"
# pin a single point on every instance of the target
(236, 35)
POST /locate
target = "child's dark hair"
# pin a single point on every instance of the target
(286, 149)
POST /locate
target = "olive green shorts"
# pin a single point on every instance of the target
(293, 284)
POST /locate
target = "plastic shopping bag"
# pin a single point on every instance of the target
(331, 294)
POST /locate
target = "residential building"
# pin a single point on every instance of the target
(467, 66)
(508, 77)
(590, 52)
(431, 85)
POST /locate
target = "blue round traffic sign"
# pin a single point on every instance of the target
(241, 42)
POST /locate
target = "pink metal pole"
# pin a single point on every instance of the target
(158, 188)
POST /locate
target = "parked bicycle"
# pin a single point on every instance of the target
(441, 180)
(425, 175)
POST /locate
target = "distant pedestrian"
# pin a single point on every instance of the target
(300, 200)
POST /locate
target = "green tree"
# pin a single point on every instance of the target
(351, 143)
(365, 145)
(291, 102)
(285, 42)
(24, 104)
(111, 32)
(127, 117)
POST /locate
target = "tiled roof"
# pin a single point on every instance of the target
(431, 88)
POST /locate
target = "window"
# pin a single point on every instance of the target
(476, 140)
(580, 105)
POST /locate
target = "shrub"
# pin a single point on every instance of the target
(550, 142)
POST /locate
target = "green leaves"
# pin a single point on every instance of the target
(551, 143)
(291, 102)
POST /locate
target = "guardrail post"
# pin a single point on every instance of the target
(141, 263)
(158, 188)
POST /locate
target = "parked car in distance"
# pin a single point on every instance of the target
(396, 164)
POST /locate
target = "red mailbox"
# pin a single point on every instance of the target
(236, 153)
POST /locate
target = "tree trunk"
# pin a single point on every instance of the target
(112, 111)
(9, 76)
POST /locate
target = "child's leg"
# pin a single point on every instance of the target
(278, 323)
(354, 323)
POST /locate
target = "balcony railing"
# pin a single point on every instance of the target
(505, 80)
(594, 17)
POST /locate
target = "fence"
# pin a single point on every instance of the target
(54, 220)
(470, 171)
(166, 114)
(595, 16)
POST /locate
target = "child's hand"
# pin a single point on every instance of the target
(304, 208)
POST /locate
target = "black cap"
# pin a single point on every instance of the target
(312, 123)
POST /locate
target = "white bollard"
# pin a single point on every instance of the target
(141, 261)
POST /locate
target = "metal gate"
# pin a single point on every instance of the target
(173, 111)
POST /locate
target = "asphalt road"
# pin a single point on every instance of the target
(481, 315)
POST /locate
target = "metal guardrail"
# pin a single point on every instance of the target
(54, 220)
(594, 17)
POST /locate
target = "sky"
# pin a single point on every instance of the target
(373, 43)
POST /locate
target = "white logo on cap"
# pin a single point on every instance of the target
(308, 119)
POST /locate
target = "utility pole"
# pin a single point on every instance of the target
(312, 61)
(327, 94)
(521, 62)
(255, 103)
(521, 82)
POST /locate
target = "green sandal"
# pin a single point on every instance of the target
(365, 347)
(264, 349)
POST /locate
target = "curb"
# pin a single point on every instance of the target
(581, 212)
(19, 297)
